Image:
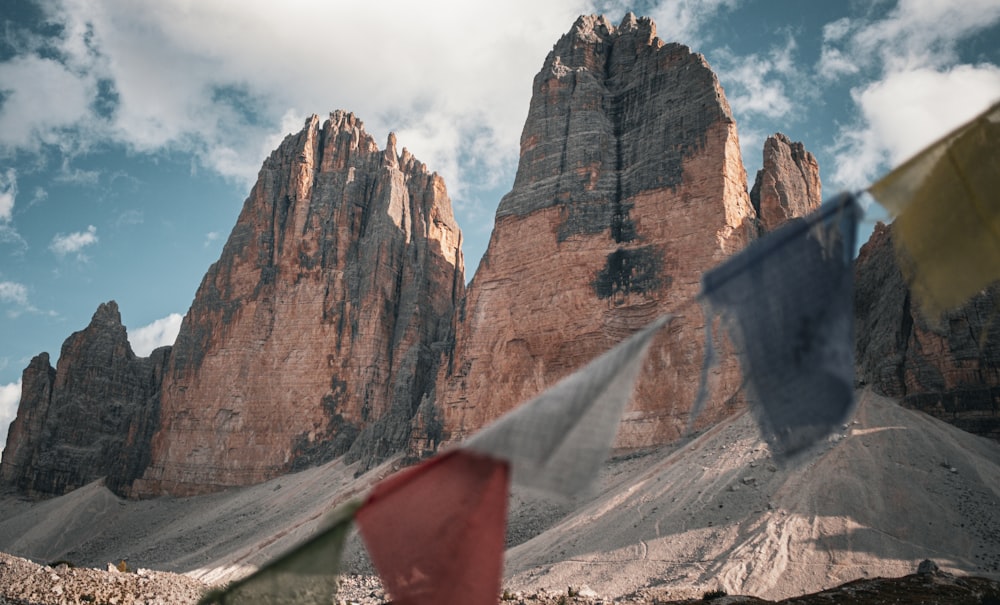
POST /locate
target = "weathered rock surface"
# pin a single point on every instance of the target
(787, 185)
(630, 184)
(92, 416)
(23, 582)
(950, 370)
(336, 321)
(317, 332)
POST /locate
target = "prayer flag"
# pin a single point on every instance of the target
(557, 441)
(436, 531)
(305, 575)
(946, 201)
(787, 303)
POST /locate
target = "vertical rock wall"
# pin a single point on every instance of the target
(949, 369)
(787, 185)
(630, 184)
(317, 332)
(336, 321)
(89, 418)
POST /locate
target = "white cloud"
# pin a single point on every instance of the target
(15, 296)
(43, 98)
(10, 395)
(13, 293)
(834, 63)
(194, 76)
(907, 111)
(39, 196)
(913, 87)
(759, 87)
(452, 79)
(9, 235)
(161, 332)
(756, 84)
(923, 33)
(751, 150)
(836, 30)
(210, 237)
(914, 34)
(684, 20)
(63, 244)
(8, 196)
(77, 176)
(8, 193)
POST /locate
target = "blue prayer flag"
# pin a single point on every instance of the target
(786, 302)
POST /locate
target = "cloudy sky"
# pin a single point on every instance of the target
(131, 132)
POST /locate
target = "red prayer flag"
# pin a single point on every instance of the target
(436, 531)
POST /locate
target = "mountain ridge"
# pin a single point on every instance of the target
(337, 321)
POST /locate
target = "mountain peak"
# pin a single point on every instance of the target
(630, 184)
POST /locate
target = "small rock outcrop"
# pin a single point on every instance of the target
(91, 417)
(950, 369)
(787, 185)
(630, 184)
(317, 333)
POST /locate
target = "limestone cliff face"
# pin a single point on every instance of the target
(336, 321)
(951, 371)
(317, 332)
(630, 184)
(89, 418)
(26, 430)
(788, 183)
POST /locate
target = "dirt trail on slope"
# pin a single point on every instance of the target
(895, 487)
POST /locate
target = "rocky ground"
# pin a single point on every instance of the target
(714, 513)
(25, 583)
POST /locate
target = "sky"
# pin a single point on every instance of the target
(131, 132)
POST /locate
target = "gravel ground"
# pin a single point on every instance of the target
(25, 583)
(894, 488)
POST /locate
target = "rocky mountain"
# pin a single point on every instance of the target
(335, 331)
(948, 368)
(630, 184)
(90, 417)
(336, 321)
(316, 333)
(787, 185)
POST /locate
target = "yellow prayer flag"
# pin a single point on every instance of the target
(946, 201)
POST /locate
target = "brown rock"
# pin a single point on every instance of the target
(90, 418)
(950, 370)
(788, 185)
(630, 184)
(316, 333)
(322, 329)
(32, 414)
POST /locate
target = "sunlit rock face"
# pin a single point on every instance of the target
(317, 332)
(630, 185)
(787, 185)
(337, 322)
